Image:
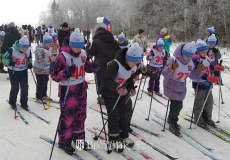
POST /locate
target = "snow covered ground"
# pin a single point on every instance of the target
(21, 142)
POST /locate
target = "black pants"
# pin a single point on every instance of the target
(42, 82)
(18, 78)
(118, 122)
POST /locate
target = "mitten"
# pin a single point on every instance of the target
(95, 66)
(173, 66)
(121, 90)
(30, 66)
(71, 69)
(132, 92)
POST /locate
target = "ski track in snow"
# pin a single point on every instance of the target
(20, 141)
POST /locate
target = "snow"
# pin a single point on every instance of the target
(20, 141)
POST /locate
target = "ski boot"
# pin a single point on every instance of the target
(173, 127)
(128, 142)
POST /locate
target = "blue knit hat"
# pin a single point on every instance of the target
(211, 30)
(201, 45)
(47, 38)
(212, 39)
(121, 37)
(54, 35)
(189, 49)
(24, 42)
(76, 39)
(2, 34)
(160, 43)
(134, 53)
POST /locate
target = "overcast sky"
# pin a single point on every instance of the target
(22, 11)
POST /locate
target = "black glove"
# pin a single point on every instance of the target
(216, 73)
(11, 64)
(30, 66)
(71, 69)
(146, 71)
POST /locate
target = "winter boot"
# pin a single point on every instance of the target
(158, 93)
(13, 106)
(128, 142)
(117, 145)
(210, 122)
(25, 107)
(173, 127)
(203, 125)
(177, 125)
(68, 149)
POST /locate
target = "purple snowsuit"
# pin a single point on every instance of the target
(178, 88)
(73, 114)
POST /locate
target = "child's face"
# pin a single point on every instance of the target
(211, 45)
(202, 53)
(131, 64)
(186, 58)
(23, 49)
(120, 42)
(160, 49)
(48, 45)
(208, 34)
(76, 50)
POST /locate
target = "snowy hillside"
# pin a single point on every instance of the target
(21, 142)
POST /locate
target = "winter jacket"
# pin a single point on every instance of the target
(59, 69)
(178, 88)
(217, 55)
(168, 41)
(7, 57)
(61, 35)
(10, 37)
(104, 48)
(41, 59)
(108, 86)
(204, 85)
(142, 41)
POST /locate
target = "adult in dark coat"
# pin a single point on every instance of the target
(62, 33)
(10, 37)
(104, 48)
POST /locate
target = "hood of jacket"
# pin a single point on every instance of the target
(120, 56)
(104, 35)
(178, 53)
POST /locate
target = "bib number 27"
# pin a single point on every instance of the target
(182, 76)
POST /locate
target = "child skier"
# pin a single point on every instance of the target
(122, 42)
(156, 56)
(69, 70)
(42, 62)
(118, 72)
(175, 74)
(213, 53)
(18, 59)
(202, 71)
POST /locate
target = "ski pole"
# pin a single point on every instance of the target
(221, 96)
(48, 105)
(143, 88)
(63, 105)
(147, 119)
(15, 110)
(136, 98)
(36, 85)
(198, 81)
(170, 92)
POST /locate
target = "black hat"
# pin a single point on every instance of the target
(141, 31)
(65, 24)
(100, 29)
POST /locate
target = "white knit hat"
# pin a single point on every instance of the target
(24, 42)
(189, 49)
(160, 43)
(2, 34)
(76, 39)
(212, 39)
(211, 30)
(134, 53)
(54, 35)
(121, 37)
(201, 45)
(47, 38)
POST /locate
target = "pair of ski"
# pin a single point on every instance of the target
(125, 154)
(23, 118)
(215, 130)
(74, 155)
(142, 139)
(187, 138)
